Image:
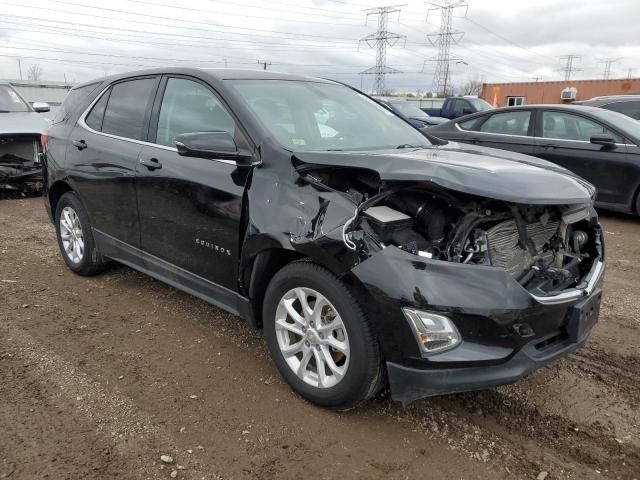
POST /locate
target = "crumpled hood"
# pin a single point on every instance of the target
(481, 171)
(22, 123)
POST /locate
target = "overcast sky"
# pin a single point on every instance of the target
(504, 40)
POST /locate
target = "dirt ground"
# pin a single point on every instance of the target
(99, 377)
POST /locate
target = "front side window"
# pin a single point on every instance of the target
(565, 126)
(630, 109)
(508, 123)
(459, 106)
(10, 101)
(324, 116)
(189, 107)
(127, 108)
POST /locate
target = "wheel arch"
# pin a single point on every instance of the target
(56, 191)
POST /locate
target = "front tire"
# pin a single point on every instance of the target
(75, 237)
(319, 339)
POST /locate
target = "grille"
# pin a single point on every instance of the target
(505, 251)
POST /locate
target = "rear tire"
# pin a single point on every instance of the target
(75, 237)
(329, 355)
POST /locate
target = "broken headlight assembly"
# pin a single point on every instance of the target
(434, 332)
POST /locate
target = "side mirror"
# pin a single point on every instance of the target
(467, 110)
(41, 107)
(212, 145)
(603, 139)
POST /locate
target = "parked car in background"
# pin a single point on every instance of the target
(599, 145)
(410, 112)
(376, 253)
(455, 107)
(628, 105)
(20, 130)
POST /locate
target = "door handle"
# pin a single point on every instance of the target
(151, 163)
(80, 144)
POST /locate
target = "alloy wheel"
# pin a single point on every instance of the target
(71, 235)
(312, 337)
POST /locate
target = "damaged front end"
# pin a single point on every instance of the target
(20, 166)
(467, 291)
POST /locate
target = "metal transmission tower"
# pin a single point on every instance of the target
(444, 39)
(382, 39)
(570, 67)
(607, 66)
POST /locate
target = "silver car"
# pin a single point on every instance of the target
(21, 127)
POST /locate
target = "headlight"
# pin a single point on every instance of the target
(434, 332)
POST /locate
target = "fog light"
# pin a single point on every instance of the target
(434, 332)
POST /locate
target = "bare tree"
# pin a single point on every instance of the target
(473, 86)
(34, 72)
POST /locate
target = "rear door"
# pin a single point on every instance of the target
(103, 154)
(507, 130)
(190, 208)
(564, 138)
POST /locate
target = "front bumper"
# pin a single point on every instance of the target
(488, 307)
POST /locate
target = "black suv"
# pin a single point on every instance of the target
(368, 251)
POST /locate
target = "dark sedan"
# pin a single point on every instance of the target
(628, 105)
(599, 145)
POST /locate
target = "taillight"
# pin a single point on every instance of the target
(44, 139)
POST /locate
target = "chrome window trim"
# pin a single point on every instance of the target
(536, 138)
(575, 294)
(81, 123)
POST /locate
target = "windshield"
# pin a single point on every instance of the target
(626, 125)
(480, 105)
(10, 101)
(323, 116)
(409, 110)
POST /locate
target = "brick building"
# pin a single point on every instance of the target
(521, 93)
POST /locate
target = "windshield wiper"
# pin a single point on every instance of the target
(408, 145)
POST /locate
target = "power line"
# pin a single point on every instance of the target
(382, 39)
(570, 67)
(443, 40)
(607, 66)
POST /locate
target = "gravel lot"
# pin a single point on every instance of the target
(101, 376)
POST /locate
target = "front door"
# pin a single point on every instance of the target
(190, 208)
(564, 138)
(103, 155)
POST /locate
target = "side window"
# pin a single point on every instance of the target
(469, 124)
(188, 107)
(508, 123)
(630, 109)
(94, 119)
(73, 100)
(458, 106)
(565, 126)
(126, 108)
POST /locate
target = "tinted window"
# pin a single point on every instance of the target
(10, 101)
(94, 119)
(631, 109)
(74, 99)
(565, 126)
(127, 107)
(188, 107)
(507, 123)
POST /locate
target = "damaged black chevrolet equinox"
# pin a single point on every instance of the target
(370, 253)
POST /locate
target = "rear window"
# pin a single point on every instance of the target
(630, 109)
(74, 100)
(127, 107)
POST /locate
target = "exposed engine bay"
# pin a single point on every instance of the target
(20, 167)
(547, 249)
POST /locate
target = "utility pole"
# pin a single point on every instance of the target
(264, 64)
(570, 67)
(19, 66)
(630, 72)
(607, 66)
(445, 37)
(380, 40)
